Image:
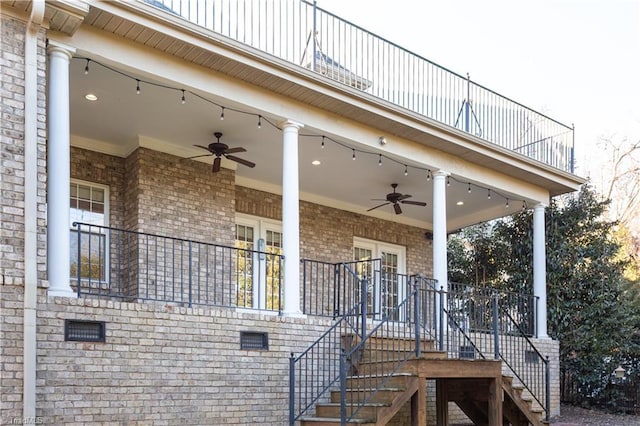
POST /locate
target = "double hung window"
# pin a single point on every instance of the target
(89, 247)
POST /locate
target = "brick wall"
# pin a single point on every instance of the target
(180, 198)
(12, 212)
(163, 364)
(327, 233)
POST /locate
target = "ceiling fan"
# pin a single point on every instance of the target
(219, 150)
(396, 199)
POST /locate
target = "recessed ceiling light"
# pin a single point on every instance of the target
(90, 97)
(460, 203)
(316, 162)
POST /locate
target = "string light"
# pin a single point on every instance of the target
(260, 118)
(506, 205)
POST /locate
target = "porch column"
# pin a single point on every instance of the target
(291, 218)
(540, 270)
(58, 154)
(440, 228)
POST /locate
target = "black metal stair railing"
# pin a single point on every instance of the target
(523, 359)
(475, 322)
(380, 353)
(316, 370)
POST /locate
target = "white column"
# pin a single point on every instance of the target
(58, 154)
(440, 228)
(540, 270)
(291, 218)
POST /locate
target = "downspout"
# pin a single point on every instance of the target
(31, 206)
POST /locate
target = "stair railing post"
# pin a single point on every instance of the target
(190, 274)
(363, 308)
(336, 291)
(416, 316)
(343, 387)
(441, 320)
(292, 390)
(547, 388)
(496, 335)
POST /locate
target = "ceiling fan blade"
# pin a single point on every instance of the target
(397, 208)
(203, 147)
(234, 150)
(373, 208)
(216, 165)
(198, 156)
(415, 203)
(241, 161)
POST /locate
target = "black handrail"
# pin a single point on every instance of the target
(322, 359)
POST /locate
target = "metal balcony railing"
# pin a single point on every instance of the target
(305, 35)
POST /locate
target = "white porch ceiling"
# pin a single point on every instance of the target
(120, 120)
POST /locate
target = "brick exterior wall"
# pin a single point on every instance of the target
(327, 234)
(163, 364)
(12, 213)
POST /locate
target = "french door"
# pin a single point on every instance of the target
(387, 277)
(258, 266)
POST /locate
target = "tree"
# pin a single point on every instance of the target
(592, 307)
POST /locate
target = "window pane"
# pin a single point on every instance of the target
(97, 195)
(84, 192)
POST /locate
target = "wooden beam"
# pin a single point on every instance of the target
(419, 404)
(442, 403)
(455, 368)
(495, 402)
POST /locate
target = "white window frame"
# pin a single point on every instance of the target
(260, 227)
(74, 231)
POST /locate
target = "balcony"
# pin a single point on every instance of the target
(307, 36)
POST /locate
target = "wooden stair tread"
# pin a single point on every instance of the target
(336, 419)
(371, 376)
(368, 404)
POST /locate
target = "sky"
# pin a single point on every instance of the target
(577, 61)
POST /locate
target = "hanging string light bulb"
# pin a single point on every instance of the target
(86, 67)
(137, 86)
(379, 159)
(221, 113)
(183, 100)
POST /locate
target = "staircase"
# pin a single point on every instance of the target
(375, 393)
